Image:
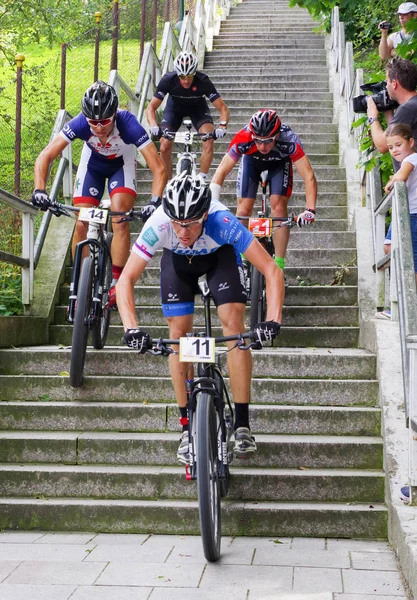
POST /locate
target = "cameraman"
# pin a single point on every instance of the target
(401, 78)
(388, 43)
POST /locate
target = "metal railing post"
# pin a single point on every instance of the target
(97, 16)
(19, 58)
(115, 36)
(63, 74)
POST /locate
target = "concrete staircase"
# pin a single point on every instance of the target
(103, 457)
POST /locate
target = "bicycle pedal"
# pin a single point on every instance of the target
(187, 473)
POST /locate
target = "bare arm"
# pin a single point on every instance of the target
(151, 109)
(223, 109)
(274, 277)
(45, 158)
(401, 175)
(226, 165)
(385, 45)
(305, 169)
(377, 133)
(155, 164)
(125, 290)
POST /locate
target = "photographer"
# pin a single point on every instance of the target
(401, 78)
(388, 43)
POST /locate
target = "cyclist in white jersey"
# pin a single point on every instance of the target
(198, 237)
(111, 137)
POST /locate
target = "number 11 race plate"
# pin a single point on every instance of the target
(196, 349)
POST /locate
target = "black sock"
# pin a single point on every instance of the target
(241, 415)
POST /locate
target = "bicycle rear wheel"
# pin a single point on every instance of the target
(257, 298)
(208, 487)
(101, 328)
(81, 325)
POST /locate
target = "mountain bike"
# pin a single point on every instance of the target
(210, 418)
(263, 227)
(186, 160)
(89, 308)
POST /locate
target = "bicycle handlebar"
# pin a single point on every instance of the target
(59, 209)
(160, 345)
(170, 135)
(289, 221)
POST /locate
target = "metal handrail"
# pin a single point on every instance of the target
(402, 290)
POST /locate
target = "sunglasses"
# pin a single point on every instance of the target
(102, 122)
(185, 77)
(264, 140)
(188, 224)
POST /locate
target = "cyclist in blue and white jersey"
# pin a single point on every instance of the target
(111, 137)
(187, 90)
(199, 236)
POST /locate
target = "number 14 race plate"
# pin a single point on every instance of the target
(196, 349)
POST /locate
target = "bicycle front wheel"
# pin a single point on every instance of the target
(257, 298)
(81, 324)
(101, 328)
(208, 487)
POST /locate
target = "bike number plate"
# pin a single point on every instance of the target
(197, 349)
(184, 137)
(95, 215)
(260, 227)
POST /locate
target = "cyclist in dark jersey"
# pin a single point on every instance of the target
(266, 144)
(200, 236)
(111, 139)
(187, 89)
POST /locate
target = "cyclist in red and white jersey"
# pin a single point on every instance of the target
(111, 137)
(266, 144)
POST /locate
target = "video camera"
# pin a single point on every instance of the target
(379, 94)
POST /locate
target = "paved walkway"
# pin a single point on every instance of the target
(81, 566)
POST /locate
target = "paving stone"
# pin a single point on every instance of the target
(151, 575)
(46, 552)
(262, 577)
(36, 592)
(106, 592)
(372, 582)
(128, 554)
(120, 538)
(301, 557)
(55, 573)
(313, 580)
(374, 561)
(65, 538)
(7, 567)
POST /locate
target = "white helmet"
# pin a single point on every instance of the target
(186, 64)
(186, 197)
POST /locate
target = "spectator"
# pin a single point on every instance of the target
(401, 78)
(388, 43)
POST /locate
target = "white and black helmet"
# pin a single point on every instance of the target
(186, 64)
(186, 197)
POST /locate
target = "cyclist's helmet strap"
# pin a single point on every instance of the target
(99, 101)
(186, 197)
(265, 123)
(186, 64)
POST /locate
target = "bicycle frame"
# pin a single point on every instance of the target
(210, 380)
(100, 253)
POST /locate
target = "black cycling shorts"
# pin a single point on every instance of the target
(172, 119)
(280, 177)
(179, 280)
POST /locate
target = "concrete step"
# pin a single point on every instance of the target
(173, 517)
(300, 337)
(289, 362)
(282, 451)
(309, 295)
(266, 97)
(320, 392)
(284, 59)
(160, 417)
(168, 483)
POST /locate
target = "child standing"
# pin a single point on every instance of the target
(401, 147)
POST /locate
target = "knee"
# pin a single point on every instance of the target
(121, 228)
(279, 206)
(81, 229)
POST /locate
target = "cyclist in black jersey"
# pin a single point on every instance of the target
(187, 89)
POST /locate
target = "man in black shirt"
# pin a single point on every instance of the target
(187, 89)
(401, 78)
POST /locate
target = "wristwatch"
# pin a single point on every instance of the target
(371, 120)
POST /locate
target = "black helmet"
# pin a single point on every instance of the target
(186, 197)
(265, 123)
(99, 101)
